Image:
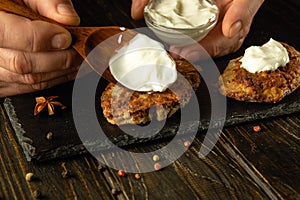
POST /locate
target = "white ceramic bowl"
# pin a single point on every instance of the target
(178, 36)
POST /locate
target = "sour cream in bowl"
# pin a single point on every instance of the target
(181, 22)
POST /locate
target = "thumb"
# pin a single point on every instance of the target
(137, 8)
(239, 16)
(61, 11)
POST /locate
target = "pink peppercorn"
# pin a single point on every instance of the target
(186, 143)
(157, 166)
(256, 128)
(137, 176)
(121, 173)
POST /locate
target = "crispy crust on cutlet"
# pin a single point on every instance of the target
(123, 106)
(266, 86)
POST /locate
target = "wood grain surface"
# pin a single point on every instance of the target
(243, 165)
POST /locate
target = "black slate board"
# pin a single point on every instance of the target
(31, 130)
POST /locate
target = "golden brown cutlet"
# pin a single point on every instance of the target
(266, 86)
(123, 106)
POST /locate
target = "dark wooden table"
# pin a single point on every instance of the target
(243, 165)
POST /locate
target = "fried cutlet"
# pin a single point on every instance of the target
(265, 86)
(123, 106)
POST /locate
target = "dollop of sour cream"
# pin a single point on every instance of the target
(267, 57)
(143, 65)
(183, 13)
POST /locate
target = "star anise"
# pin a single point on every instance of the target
(42, 102)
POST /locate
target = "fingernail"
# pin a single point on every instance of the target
(235, 28)
(66, 9)
(60, 41)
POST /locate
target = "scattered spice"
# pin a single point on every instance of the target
(256, 128)
(42, 102)
(157, 166)
(187, 143)
(36, 194)
(137, 176)
(121, 173)
(65, 173)
(29, 176)
(49, 135)
(155, 158)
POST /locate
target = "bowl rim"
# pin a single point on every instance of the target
(171, 29)
(149, 20)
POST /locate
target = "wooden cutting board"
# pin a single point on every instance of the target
(31, 130)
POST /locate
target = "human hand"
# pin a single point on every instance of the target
(137, 9)
(34, 54)
(226, 37)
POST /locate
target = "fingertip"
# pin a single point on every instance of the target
(61, 11)
(67, 13)
(234, 29)
(61, 40)
(137, 15)
(239, 16)
(49, 36)
(137, 9)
